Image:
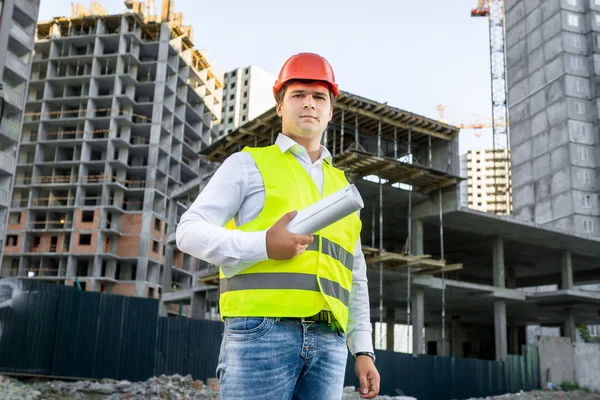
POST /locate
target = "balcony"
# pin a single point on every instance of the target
(26, 40)
(7, 164)
(13, 98)
(9, 129)
(29, 9)
(16, 65)
(4, 198)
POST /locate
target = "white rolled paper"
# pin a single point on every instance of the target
(326, 211)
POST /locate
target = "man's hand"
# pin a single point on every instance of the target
(368, 376)
(282, 244)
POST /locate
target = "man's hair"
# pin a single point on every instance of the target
(281, 93)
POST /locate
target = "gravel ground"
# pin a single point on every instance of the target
(178, 387)
(546, 395)
(174, 387)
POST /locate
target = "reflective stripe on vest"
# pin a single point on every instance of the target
(284, 281)
(333, 250)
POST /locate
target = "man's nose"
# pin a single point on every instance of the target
(309, 102)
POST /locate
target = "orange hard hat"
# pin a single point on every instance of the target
(309, 66)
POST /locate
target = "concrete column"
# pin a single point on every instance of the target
(418, 320)
(198, 305)
(456, 337)
(500, 329)
(570, 326)
(390, 328)
(417, 237)
(498, 261)
(566, 271)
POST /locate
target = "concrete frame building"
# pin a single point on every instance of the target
(248, 93)
(464, 275)
(479, 190)
(17, 32)
(118, 107)
(553, 61)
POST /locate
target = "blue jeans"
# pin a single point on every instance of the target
(281, 359)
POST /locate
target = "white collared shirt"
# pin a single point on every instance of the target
(236, 191)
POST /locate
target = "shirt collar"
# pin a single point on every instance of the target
(286, 143)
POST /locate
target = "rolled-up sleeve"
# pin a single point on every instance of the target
(359, 312)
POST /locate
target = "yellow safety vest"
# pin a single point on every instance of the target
(320, 276)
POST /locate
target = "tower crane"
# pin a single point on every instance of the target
(494, 11)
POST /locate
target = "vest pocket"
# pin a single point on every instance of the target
(242, 329)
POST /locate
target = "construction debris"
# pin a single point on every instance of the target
(546, 395)
(174, 387)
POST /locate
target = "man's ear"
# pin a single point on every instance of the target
(278, 109)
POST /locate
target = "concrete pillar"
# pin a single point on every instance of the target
(570, 326)
(417, 237)
(500, 329)
(418, 320)
(498, 261)
(456, 337)
(566, 271)
(390, 328)
(198, 305)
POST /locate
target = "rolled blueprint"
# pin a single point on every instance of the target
(326, 211)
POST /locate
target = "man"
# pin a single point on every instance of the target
(291, 303)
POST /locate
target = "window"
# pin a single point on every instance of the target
(588, 225)
(231, 97)
(11, 240)
(243, 117)
(155, 246)
(85, 239)
(585, 177)
(572, 2)
(573, 20)
(232, 85)
(246, 82)
(36, 241)
(578, 85)
(87, 216)
(245, 94)
(576, 63)
(230, 108)
(597, 17)
(230, 120)
(597, 2)
(575, 41)
(579, 107)
(586, 201)
(583, 153)
(14, 218)
(156, 224)
(245, 106)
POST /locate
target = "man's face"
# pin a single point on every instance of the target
(305, 109)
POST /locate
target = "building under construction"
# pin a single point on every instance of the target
(463, 275)
(117, 109)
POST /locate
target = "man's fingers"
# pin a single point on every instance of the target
(304, 240)
(364, 385)
(287, 217)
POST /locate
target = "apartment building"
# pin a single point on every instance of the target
(553, 61)
(118, 107)
(247, 94)
(17, 31)
(487, 187)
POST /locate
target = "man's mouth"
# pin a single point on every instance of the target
(309, 117)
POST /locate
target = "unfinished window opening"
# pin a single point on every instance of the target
(85, 239)
(53, 243)
(156, 224)
(11, 240)
(87, 216)
(82, 267)
(151, 292)
(67, 241)
(14, 218)
(37, 240)
(155, 246)
(107, 245)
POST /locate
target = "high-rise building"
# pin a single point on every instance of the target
(17, 31)
(553, 61)
(247, 94)
(118, 107)
(482, 191)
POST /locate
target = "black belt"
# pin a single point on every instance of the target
(321, 316)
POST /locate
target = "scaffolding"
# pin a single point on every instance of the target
(390, 147)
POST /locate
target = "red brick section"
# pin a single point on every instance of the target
(125, 289)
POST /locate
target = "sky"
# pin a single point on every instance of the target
(413, 55)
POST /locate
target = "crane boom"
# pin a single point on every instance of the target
(494, 10)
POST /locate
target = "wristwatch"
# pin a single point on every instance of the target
(364, 353)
